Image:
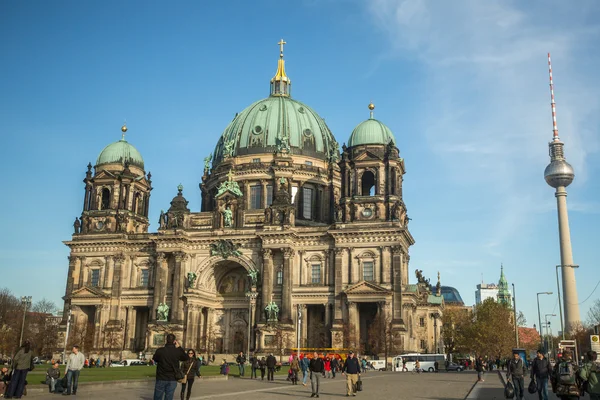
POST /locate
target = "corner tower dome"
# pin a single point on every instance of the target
(371, 131)
(277, 124)
(120, 152)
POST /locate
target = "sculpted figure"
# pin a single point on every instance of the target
(228, 217)
(162, 312)
(191, 277)
(77, 226)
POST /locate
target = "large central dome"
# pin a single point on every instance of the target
(277, 124)
(274, 124)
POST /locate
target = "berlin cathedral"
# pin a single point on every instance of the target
(291, 227)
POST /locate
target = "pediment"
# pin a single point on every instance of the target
(367, 288)
(366, 156)
(87, 292)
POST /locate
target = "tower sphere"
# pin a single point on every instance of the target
(559, 173)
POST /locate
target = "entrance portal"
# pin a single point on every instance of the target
(367, 312)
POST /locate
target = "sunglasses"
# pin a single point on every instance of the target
(191, 353)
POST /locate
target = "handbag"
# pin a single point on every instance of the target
(532, 386)
(509, 390)
(183, 379)
(359, 385)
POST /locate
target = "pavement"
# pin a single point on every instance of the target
(376, 385)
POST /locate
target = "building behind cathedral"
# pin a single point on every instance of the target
(288, 223)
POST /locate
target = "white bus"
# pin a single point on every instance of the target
(427, 361)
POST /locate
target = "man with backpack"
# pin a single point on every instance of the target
(271, 362)
(516, 372)
(540, 371)
(564, 377)
(241, 362)
(589, 375)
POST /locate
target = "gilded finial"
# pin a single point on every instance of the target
(123, 129)
(281, 43)
(371, 107)
(280, 83)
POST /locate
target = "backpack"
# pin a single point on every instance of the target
(566, 373)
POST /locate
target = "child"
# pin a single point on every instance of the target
(224, 368)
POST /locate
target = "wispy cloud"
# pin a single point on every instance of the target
(486, 64)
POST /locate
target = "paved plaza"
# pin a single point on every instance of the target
(377, 385)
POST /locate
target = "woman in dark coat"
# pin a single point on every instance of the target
(191, 367)
(21, 364)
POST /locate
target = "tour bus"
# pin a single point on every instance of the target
(427, 361)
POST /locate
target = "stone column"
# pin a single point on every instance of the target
(327, 315)
(263, 197)
(386, 265)
(208, 329)
(178, 286)
(339, 257)
(159, 284)
(286, 293)
(353, 319)
(117, 287)
(304, 327)
(200, 328)
(303, 266)
(396, 283)
(132, 277)
(98, 326)
(267, 275)
(130, 328)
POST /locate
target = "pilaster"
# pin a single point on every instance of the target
(267, 275)
(397, 283)
(286, 294)
(339, 256)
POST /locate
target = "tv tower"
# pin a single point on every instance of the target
(559, 174)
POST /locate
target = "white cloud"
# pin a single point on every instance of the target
(486, 66)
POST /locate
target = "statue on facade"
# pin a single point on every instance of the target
(207, 162)
(420, 278)
(339, 213)
(272, 312)
(253, 275)
(225, 248)
(396, 212)
(228, 217)
(162, 220)
(229, 185)
(191, 278)
(162, 312)
(228, 148)
(77, 226)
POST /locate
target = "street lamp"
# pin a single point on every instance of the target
(515, 312)
(540, 317)
(548, 327)
(26, 303)
(435, 316)
(562, 327)
(299, 330)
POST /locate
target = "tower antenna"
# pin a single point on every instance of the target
(552, 103)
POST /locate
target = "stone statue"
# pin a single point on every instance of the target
(228, 217)
(225, 248)
(272, 312)
(267, 215)
(396, 212)
(162, 220)
(420, 278)
(253, 275)
(339, 213)
(207, 162)
(228, 148)
(191, 277)
(162, 312)
(77, 226)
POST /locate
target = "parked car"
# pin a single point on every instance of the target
(455, 367)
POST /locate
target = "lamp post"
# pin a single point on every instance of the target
(299, 329)
(548, 327)
(562, 326)
(540, 317)
(515, 312)
(26, 303)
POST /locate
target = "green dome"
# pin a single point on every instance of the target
(276, 123)
(371, 131)
(120, 152)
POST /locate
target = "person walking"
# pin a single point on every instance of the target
(262, 364)
(335, 364)
(241, 362)
(327, 363)
(540, 371)
(271, 362)
(167, 359)
(22, 363)
(75, 363)
(479, 367)
(590, 373)
(191, 368)
(351, 369)
(295, 367)
(564, 377)
(304, 362)
(516, 371)
(254, 365)
(316, 367)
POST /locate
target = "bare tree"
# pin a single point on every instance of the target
(594, 313)
(112, 340)
(350, 341)
(317, 335)
(283, 337)
(44, 306)
(11, 314)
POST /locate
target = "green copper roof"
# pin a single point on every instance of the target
(120, 152)
(371, 131)
(275, 123)
(433, 299)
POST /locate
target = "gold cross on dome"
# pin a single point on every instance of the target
(230, 175)
(281, 43)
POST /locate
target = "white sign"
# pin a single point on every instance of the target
(595, 340)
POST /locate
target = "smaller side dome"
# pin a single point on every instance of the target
(120, 152)
(371, 131)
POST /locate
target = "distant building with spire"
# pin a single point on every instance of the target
(498, 292)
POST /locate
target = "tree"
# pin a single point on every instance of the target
(492, 333)
(81, 334)
(282, 339)
(317, 335)
(11, 314)
(521, 320)
(349, 336)
(594, 313)
(113, 340)
(381, 337)
(455, 331)
(44, 306)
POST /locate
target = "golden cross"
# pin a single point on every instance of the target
(281, 43)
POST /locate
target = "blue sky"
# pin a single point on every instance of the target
(462, 84)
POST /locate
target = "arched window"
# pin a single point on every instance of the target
(105, 204)
(279, 277)
(368, 184)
